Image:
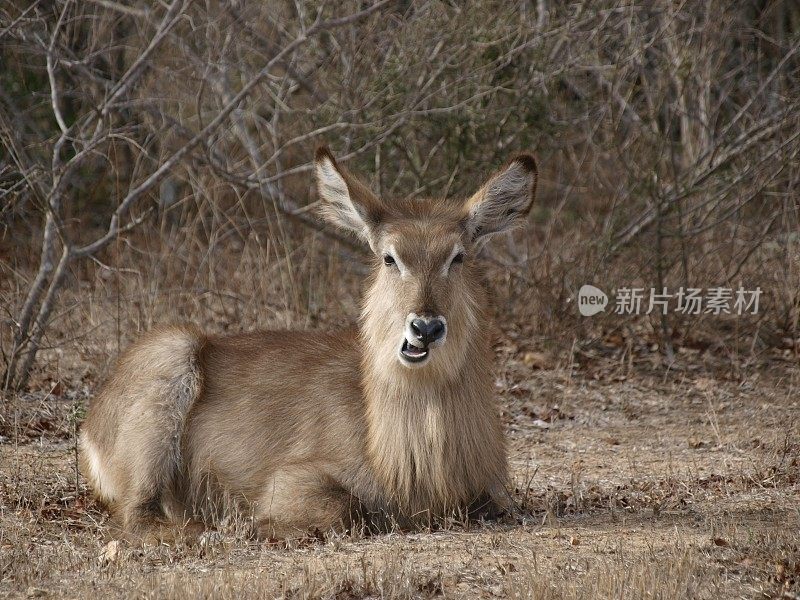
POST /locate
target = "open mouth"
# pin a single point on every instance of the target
(413, 353)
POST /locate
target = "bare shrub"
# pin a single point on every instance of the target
(156, 159)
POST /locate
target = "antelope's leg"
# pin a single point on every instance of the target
(299, 501)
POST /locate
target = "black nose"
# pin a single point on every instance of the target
(427, 331)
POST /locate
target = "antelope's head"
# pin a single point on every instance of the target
(425, 305)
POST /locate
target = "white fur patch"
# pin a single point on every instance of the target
(98, 478)
(332, 184)
(457, 248)
(340, 207)
(400, 265)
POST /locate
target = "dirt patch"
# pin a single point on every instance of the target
(650, 486)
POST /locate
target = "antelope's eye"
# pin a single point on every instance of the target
(458, 259)
(388, 260)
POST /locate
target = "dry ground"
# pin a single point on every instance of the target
(629, 484)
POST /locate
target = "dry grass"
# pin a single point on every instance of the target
(657, 487)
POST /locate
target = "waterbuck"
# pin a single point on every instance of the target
(392, 419)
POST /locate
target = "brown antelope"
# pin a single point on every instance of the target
(309, 430)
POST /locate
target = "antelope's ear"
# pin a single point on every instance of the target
(504, 200)
(345, 201)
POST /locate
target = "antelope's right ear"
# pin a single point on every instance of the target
(504, 201)
(345, 201)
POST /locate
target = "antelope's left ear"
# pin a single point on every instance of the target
(345, 201)
(504, 200)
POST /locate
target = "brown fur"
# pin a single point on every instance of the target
(308, 430)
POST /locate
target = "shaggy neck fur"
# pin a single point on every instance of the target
(434, 440)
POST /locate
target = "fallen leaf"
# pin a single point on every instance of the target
(109, 553)
(537, 360)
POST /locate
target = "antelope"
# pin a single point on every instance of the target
(318, 431)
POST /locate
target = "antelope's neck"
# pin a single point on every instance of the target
(432, 444)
